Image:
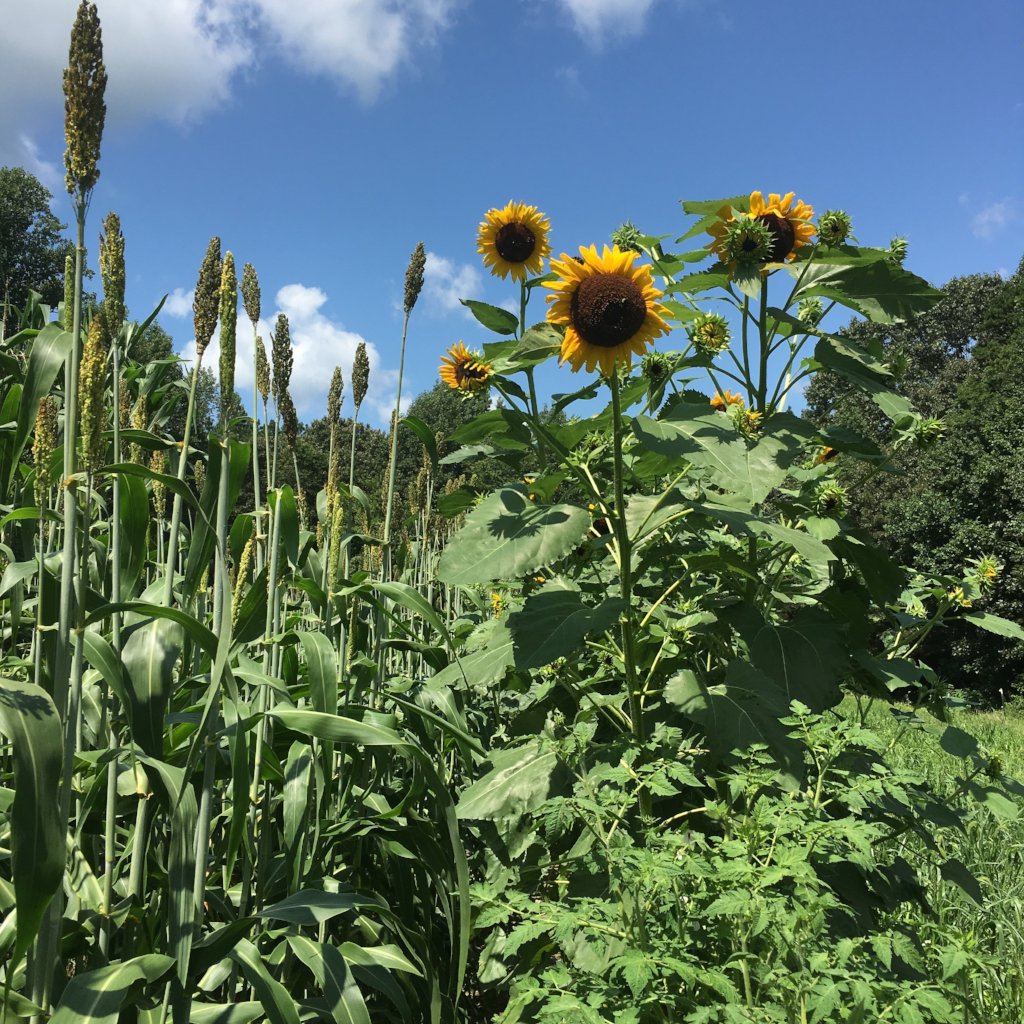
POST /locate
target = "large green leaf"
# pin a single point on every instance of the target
(50, 348)
(519, 781)
(709, 441)
(880, 290)
(322, 670)
(225, 1013)
(278, 1005)
(494, 318)
(996, 624)
(486, 664)
(134, 532)
(805, 656)
(553, 622)
(808, 547)
(38, 850)
(339, 987)
(508, 536)
(150, 654)
(95, 997)
(744, 709)
(314, 907)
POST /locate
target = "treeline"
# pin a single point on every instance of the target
(961, 498)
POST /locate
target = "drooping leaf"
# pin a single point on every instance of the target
(494, 318)
(519, 781)
(29, 720)
(150, 653)
(508, 536)
(95, 997)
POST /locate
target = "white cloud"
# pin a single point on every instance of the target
(179, 303)
(992, 219)
(446, 282)
(176, 60)
(597, 20)
(319, 344)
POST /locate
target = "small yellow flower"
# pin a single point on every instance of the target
(497, 603)
(609, 308)
(539, 579)
(721, 402)
(464, 370)
(827, 454)
(591, 507)
(514, 241)
(958, 597)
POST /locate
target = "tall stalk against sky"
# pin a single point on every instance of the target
(413, 287)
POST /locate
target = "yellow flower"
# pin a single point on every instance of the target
(497, 603)
(514, 241)
(827, 454)
(609, 307)
(788, 223)
(958, 597)
(721, 402)
(539, 579)
(464, 370)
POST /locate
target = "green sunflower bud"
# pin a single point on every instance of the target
(834, 227)
(747, 242)
(710, 333)
(898, 251)
(830, 498)
(626, 236)
(811, 310)
(85, 81)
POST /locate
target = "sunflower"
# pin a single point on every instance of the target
(722, 402)
(609, 307)
(736, 239)
(514, 240)
(464, 370)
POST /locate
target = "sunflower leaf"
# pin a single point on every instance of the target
(494, 318)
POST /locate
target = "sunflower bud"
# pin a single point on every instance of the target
(281, 354)
(811, 310)
(627, 237)
(228, 324)
(747, 243)
(360, 374)
(251, 293)
(830, 498)
(92, 377)
(262, 370)
(112, 273)
(334, 396)
(710, 334)
(834, 227)
(43, 444)
(69, 291)
(205, 304)
(897, 251)
(85, 81)
(414, 276)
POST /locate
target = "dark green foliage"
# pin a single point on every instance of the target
(962, 497)
(32, 246)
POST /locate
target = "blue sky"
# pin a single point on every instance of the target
(321, 139)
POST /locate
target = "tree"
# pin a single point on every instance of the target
(32, 248)
(964, 496)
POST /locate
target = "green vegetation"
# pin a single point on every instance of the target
(554, 716)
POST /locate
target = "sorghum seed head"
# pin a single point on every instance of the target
(262, 370)
(251, 293)
(85, 81)
(334, 396)
(206, 304)
(360, 374)
(414, 276)
(281, 355)
(92, 378)
(228, 323)
(289, 419)
(43, 444)
(112, 273)
(69, 291)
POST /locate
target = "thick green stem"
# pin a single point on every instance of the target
(393, 464)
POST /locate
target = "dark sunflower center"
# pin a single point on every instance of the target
(472, 371)
(607, 309)
(783, 235)
(514, 242)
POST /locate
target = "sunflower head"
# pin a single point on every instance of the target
(811, 310)
(789, 222)
(609, 308)
(830, 498)
(710, 333)
(497, 603)
(626, 236)
(514, 241)
(464, 370)
(741, 242)
(656, 367)
(825, 454)
(722, 402)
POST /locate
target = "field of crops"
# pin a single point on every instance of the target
(614, 741)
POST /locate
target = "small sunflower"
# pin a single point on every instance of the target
(722, 402)
(826, 454)
(514, 241)
(609, 308)
(464, 370)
